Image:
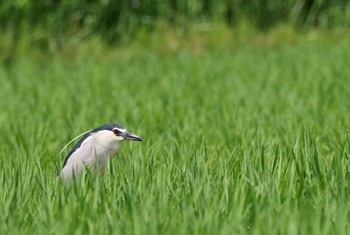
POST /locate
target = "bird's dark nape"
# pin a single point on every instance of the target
(109, 126)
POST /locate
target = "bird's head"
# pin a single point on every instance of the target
(122, 134)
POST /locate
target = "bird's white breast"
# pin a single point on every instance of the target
(94, 152)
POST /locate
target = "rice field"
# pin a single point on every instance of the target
(237, 141)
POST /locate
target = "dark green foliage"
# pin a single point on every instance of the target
(116, 19)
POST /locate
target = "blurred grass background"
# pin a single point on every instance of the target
(56, 25)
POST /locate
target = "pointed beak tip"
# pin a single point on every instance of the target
(136, 138)
(133, 137)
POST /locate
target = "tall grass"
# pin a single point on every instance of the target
(237, 141)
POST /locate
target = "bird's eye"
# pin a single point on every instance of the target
(116, 131)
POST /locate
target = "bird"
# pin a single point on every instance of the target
(94, 149)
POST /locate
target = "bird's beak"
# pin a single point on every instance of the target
(131, 136)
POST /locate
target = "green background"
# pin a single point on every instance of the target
(244, 108)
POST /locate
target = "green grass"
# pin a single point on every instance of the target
(238, 141)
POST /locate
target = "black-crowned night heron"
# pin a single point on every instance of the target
(94, 149)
